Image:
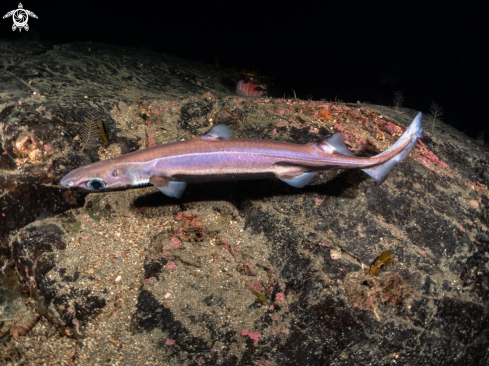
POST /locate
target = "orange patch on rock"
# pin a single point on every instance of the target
(474, 204)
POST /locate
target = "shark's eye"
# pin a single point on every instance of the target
(96, 184)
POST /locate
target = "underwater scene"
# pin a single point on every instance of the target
(162, 210)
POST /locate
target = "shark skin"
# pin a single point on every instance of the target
(218, 156)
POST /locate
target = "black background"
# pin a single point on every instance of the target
(349, 51)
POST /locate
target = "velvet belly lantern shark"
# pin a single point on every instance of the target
(218, 156)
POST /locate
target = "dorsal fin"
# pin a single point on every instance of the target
(334, 144)
(219, 132)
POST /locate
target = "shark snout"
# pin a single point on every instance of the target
(67, 183)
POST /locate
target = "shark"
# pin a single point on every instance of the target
(219, 156)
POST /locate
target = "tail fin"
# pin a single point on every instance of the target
(413, 132)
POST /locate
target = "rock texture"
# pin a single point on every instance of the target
(235, 273)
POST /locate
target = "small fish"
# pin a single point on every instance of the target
(382, 260)
(101, 131)
(261, 297)
(218, 156)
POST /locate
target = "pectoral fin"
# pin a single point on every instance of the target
(294, 176)
(300, 180)
(169, 187)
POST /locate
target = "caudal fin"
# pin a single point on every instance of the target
(413, 132)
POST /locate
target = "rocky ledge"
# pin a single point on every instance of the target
(342, 272)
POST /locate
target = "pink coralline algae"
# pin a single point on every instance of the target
(189, 215)
(156, 108)
(254, 336)
(338, 128)
(171, 266)
(250, 88)
(393, 129)
(232, 251)
(478, 184)
(151, 141)
(479, 187)
(181, 216)
(431, 159)
(254, 285)
(313, 130)
(174, 244)
(279, 298)
(247, 268)
(170, 342)
(428, 159)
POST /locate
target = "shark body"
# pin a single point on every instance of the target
(218, 156)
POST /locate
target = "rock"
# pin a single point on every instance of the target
(237, 272)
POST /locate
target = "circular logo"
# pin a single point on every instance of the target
(20, 17)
